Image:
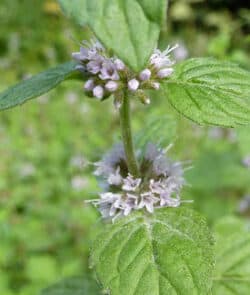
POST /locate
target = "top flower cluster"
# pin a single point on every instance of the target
(109, 74)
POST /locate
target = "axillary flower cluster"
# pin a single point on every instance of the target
(159, 184)
(109, 75)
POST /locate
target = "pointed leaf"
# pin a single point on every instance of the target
(73, 286)
(75, 9)
(35, 86)
(168, 252)
(130, 28)
(232, 270)
(208, 91)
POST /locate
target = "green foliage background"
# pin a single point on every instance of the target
(46, 145)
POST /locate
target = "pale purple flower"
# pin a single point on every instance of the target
(119, 64)
(89, 85)
(148, 200)
(130, 203)
(161, 59)
(83, 55)
(159, 185)
(133, 85)
(130, 183)
(111, 86)
(109, 74)
(145, 75)
(94, 66)
(167, 201)
(108, 71)
(164, 73)
(108, 204)
(98, 92)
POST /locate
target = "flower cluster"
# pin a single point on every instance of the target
(159, 183)
(108, 75)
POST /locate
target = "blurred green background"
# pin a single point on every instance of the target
(48, 145)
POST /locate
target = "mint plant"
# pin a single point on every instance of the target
(149, 243)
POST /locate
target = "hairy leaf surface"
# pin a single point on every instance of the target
(168, 252)
(208, 91)
(232, 270)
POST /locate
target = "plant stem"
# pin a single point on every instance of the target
(127, 136)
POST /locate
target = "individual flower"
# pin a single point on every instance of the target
(89, 85)
(108, 71)
(161, 59)
(133, 85)
(111, 86)
(159, 184)
(145, 75)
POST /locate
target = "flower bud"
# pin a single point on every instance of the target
(89, 85)
(156, 85)
(111, 86)
(98, 92)
(133, 85)
(145, 75)
(119, 64)
(163, 73)
(143, 97)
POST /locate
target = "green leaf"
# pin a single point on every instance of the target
(73, 286)
(232, 270)
(166, 253)
(160, 129)
(219, 170)
(208, 91)
(130, 28)
(75, 9)
(36, 85)
(244, 140)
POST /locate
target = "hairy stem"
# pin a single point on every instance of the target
(127, 136)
